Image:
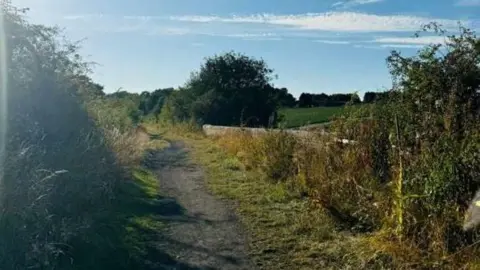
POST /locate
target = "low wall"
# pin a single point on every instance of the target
(211, 130)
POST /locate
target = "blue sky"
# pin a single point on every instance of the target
(313, 45)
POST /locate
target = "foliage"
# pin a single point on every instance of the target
(229, 89)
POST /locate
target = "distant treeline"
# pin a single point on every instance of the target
(318, 100)
(307, 100)
(151, 103)
(228, 89)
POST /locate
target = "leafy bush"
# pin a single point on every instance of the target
(229, 89)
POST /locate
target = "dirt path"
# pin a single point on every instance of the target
(203, 233)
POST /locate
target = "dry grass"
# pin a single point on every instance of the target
(128, 146)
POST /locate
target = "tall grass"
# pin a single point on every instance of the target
(126, 139)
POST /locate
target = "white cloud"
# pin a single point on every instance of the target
(353, 3)
(388, 46)
(169, 31)
(247, 36)
(339, 42)
(251, 35)
(359, 46)
(330, 21)
(336, 28)
(412, 40)
(405, 46)
(468, 3)
(83, 17)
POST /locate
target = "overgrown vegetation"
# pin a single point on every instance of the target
(395, 198)
(68, 198)
(403, 187)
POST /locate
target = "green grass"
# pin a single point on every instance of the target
(285, 231)
(296, 117)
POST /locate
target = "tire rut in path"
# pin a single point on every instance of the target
(206, 235)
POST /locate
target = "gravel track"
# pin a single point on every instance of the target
(202, 231)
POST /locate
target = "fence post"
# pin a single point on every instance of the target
(399, 209)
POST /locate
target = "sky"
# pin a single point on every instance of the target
(314, 46)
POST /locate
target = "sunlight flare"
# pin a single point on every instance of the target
(3, 92)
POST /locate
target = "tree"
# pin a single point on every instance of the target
(371, 97)
(284, 98)
(354, 99)
(229, 89)
(152, 103)
(316, 100)
(305, 100)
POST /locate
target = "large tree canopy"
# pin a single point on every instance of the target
(229, 89)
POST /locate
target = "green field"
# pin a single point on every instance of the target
(296, 117)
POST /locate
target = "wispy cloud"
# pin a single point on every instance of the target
(169, 31)
(387, 46)
(335, 28)
(353, 3)
(251, 35)
(402, 46)
(468, 3)
(83, 17)
(361, 46)
(330, 21)
(412, 40)
(338, 42)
